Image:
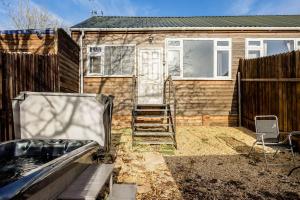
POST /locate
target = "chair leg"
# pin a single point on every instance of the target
(293, 156)
(252, 148)
(275, 153)
(265, 155)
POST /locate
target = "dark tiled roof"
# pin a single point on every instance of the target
(199, 21)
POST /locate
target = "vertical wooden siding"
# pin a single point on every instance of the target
(271, 85)
(68, 61)
(23, 72)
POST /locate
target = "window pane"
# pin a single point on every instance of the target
(174, 43)
(128, 60)
(254, 43)
(198, 58)
(95, 64)
(223, 43)
(119, 60)
(223, 63)
(253, 54)
(95, 49)
(272, 47)
(174, 62)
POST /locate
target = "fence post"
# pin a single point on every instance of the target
(239, 96)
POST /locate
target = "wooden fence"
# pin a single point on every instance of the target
(23, 72)
(271, 85)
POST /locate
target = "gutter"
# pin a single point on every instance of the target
(81, 62)
(189, 28)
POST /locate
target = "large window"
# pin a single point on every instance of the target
(199, 58)
(111, 60)
(259, 47)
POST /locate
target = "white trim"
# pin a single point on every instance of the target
(187, 28)
(261, 47)
(102, 54)
(298, 44)
(216, 49)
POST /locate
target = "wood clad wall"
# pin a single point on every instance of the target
(29, 43)
(23, 72)
(68, 61)
(271, 86)
(200, 102)
(58, 42)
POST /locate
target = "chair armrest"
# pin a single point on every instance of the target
(293, 133)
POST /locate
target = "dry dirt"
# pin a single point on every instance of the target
(210, 163)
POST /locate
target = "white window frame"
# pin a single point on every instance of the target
(88, 74)
(261, 47)
(216, 49)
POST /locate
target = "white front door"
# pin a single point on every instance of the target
(150, 77)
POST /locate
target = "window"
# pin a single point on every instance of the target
(269, 46)
(174, 62)
(111, 60)
(95, 59)
(199, 58)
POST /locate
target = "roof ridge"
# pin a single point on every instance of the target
(196, 16)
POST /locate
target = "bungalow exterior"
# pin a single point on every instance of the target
(200, 53)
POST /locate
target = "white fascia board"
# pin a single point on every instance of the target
(187, 28)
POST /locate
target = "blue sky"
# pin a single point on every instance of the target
(74, 11)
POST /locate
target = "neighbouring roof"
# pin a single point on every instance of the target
(123, 22)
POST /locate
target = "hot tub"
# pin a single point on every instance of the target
(28, 168)
(59, 136)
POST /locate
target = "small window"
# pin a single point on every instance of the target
(254, 43)
(95, 49)
(222, 63)
(174, 43)
(95, 64)
(253, 54)
(223, 43)
(95, 59)
(174, 62)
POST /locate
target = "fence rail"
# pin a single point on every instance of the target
(271, 85)
(23, 72)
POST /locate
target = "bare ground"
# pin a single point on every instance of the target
(210, 163)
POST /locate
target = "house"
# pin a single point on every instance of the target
(45, 42)
(200, 53)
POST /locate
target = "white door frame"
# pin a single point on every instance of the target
(161, 53)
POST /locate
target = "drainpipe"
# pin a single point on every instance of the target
(81, 62)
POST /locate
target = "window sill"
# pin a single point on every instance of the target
(107, 76)
(201, 79)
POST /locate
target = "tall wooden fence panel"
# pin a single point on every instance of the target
(23, 72)
(271, 86)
